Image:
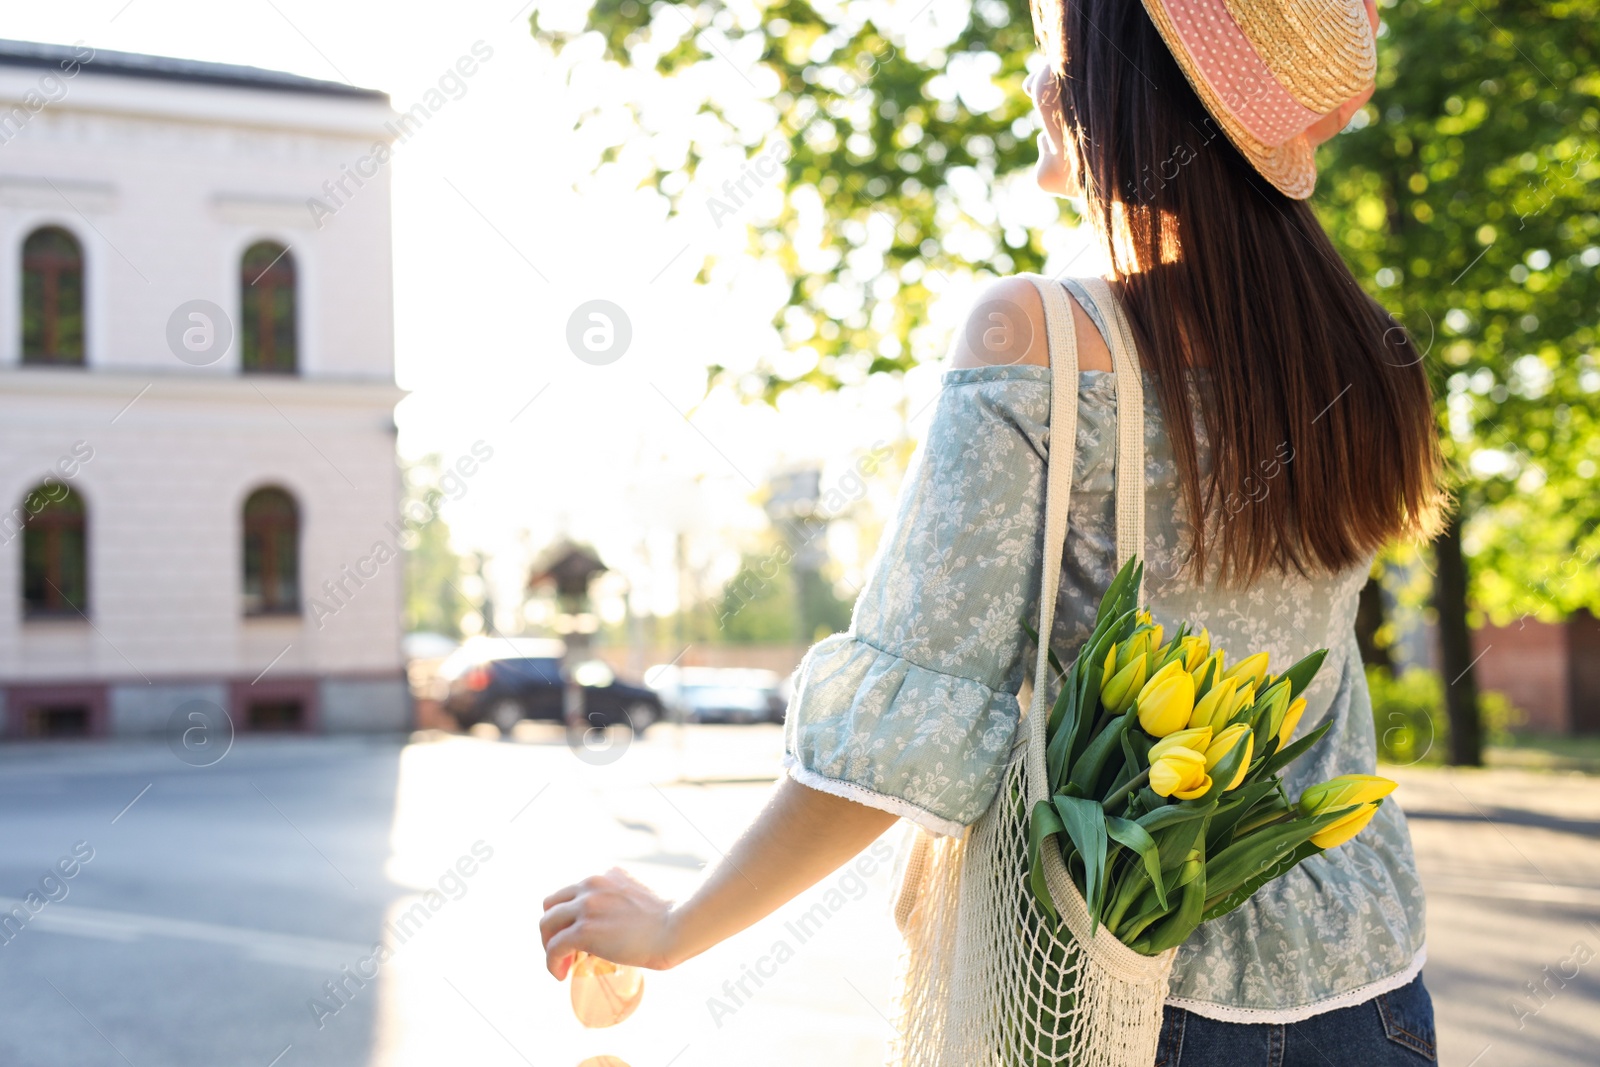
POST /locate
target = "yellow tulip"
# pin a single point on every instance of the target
(1276, 701)
(1346, 828)
(1139, 644)
(1166, 701)
(1144, 619)
(1225, 743)
(1195, 649)
(1252, 669)
(1118, 687)
(1243, 701)
(1232, 701)
(1219, 698)
(1291, 719)
(1343, 791)
(1196, 738)
(1218, 658)
(1180, 772)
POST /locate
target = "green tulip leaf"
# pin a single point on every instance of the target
(1046, 822)
(1130, 834)
(1274, 807)
(1168, 815)
(1236, 807)
(1253, 853)
(1176, 843)
(1301, 674)
(1058, 749)
(1125, 586)
(1086, 772)
(1136, 746)
(1085, 824)
(1221, 904)
(1088, 699)
(1259, 760)
(1175, 929)
(1210, 670)
(1145, 912)
(1065, 706)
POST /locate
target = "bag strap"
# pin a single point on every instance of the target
(1062, 338)
(1063, 342)
(1101, 945)
(1130, 504)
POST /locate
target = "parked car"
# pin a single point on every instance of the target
(720, 694)
(510, 679)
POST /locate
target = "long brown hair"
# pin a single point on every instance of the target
(1217, 269)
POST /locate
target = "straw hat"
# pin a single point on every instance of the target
(1269, 69)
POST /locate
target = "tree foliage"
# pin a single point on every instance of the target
(434, 602)
(1464, 195)
(1468, 199)
(892, 136)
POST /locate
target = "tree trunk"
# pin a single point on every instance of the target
(1369, 618)
(1455, 648)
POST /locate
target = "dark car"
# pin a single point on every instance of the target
(508, 687)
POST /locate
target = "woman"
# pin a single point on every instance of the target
(1289, 436)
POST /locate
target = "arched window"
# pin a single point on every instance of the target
(271, 553)
(55, 551)
(267, 309)
(52, 298)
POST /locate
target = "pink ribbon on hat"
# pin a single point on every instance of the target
(1236, 73)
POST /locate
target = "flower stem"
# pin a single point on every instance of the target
(1138, 781)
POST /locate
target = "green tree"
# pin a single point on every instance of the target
(1464, 196)
(896, 135)
(433, 569)
(771, 600)
(1467, 199)
(756, 609)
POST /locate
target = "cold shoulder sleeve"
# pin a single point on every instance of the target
(913, 709)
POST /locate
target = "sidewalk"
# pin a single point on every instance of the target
(1511, 863)
(223, 902)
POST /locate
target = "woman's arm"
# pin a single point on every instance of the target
(800, 837)
(804, 834)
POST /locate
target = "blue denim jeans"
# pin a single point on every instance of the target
(1391, 1030)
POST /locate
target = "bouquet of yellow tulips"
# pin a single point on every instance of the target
(1163, 763)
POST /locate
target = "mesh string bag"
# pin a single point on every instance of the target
(987, 977)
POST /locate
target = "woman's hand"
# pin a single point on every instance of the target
(613, 916)
(800, 836)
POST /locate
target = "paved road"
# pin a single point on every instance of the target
(228, 914)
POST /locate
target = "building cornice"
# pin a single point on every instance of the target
(126, 383)
(121, 96)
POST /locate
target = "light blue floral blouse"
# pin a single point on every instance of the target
(914, 709)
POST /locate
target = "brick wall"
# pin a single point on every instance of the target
(1549, 670)
(1527, 661)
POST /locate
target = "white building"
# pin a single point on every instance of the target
(199, 497)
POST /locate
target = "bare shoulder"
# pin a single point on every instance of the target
(1006, 328)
